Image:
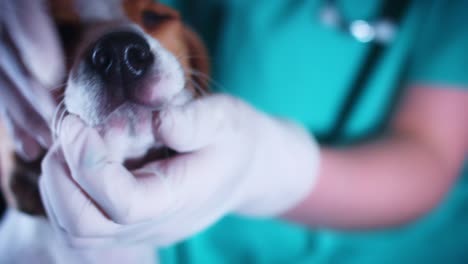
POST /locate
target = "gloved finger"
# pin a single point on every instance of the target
(117, 191)
(16, 81)
(25, 145)
(198, 123)
(23, 114)
(186, 222)
(72, 209)
(28, 26)
(194, 182)
(87, 227)
(200, 197)
(63, 234)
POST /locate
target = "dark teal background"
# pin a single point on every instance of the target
(279, 57)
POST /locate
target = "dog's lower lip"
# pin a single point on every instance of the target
(153, 154)
(145, 101)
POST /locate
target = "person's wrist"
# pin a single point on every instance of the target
(285, 170)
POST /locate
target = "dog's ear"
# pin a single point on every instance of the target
(198, 59)
(18, 178)
(63, 10)
(164, 24)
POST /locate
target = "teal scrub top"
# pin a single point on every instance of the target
(278, 56)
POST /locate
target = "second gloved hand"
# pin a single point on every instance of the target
(31, 64)
(231, 159)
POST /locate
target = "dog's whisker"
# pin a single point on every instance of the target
(60, 121)
(198, 88)
(206, 78)
(55, 116)
(60, 97)
(58, 86)
(188, 57)
(55, 122)
(200, 74)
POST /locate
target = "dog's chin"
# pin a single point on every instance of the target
(128, 131)
(129, 138)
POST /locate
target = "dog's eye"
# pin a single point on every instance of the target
(152, 19)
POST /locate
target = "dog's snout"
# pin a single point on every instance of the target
(121, 57)
(124, 70)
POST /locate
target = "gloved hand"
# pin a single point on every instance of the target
(232, 159)
(31, 61)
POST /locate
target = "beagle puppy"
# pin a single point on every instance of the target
(125, 60)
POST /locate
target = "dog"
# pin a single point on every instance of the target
(125, 60)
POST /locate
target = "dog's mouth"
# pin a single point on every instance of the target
(117, 83)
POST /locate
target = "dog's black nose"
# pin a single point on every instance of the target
(121, 57)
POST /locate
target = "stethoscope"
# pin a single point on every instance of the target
(381, 30)
(377, 34)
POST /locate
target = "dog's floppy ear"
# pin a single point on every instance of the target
(198, 59)
(63, 10)
(165, 25)
(18, 178)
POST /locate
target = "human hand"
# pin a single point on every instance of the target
(31, 61)
(231, 159)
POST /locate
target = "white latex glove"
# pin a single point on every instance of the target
(31, 62)
(26, 239)
(233, 159)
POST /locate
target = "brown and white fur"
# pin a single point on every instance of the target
(126, 60)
